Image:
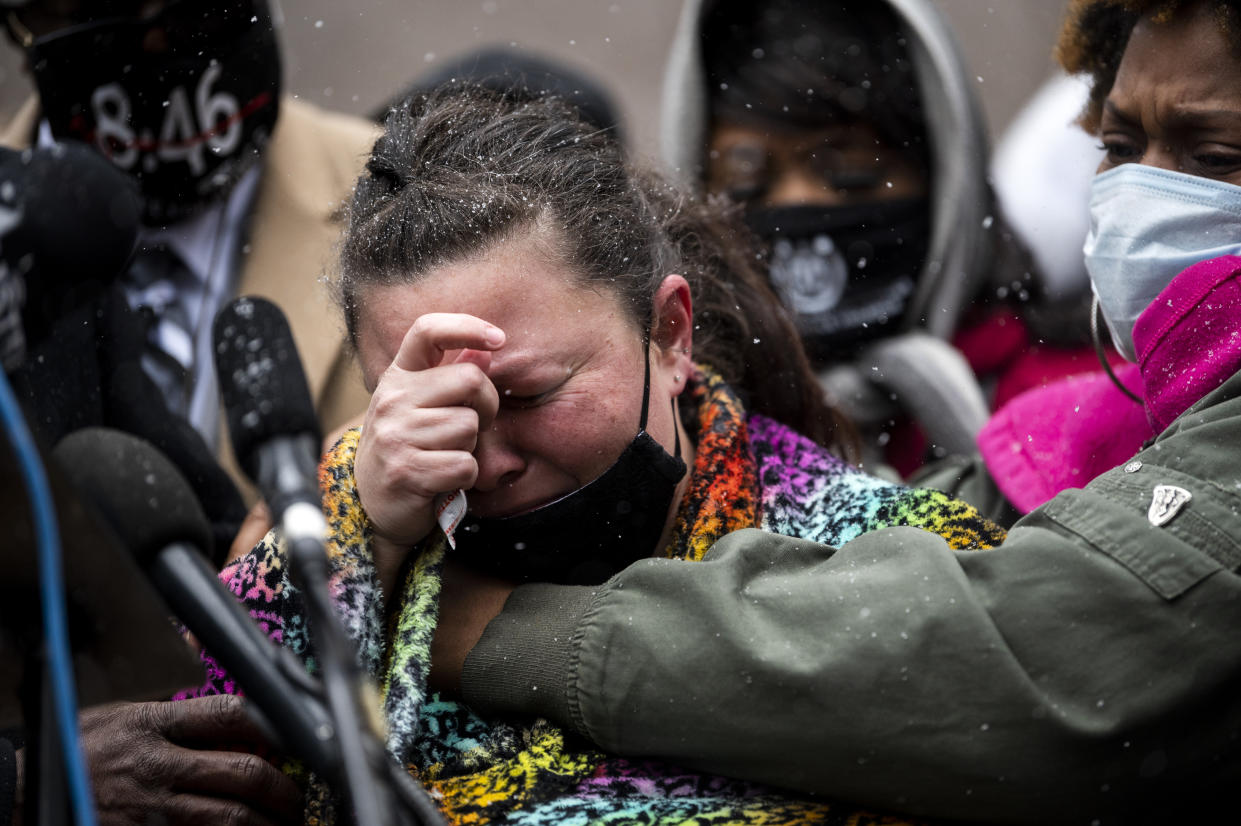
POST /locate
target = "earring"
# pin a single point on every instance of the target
(676, 377)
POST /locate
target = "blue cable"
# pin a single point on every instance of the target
(52, 590)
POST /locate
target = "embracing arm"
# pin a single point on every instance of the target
(1088, 667)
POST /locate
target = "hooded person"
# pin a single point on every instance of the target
(851, 136)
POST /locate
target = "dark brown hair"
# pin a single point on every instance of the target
(459, 168)
(1096, 32)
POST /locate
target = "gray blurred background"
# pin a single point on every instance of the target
(352, 55)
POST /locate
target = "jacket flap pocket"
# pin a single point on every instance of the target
(1171, 557)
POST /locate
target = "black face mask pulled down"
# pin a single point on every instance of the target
(596, 531)
(183, 100)
(846, 272)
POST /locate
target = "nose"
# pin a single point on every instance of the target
(798, 187)
(499, 463)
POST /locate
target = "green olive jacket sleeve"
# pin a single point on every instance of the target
(1089, 669)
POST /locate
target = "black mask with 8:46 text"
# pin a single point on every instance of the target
(183, 100)
(846, 273)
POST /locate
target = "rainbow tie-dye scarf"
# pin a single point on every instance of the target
(748, 472)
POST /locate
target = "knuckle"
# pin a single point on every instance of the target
(439, 470)
(422, 325)
(386, 448)
(236, 814)
(420, 464)
(464, 470)
(491, 400)
(384, 403)
(251, 771)
(229, 710)
(462, 425)
(153, 717)
(472, 377)
(426, 418)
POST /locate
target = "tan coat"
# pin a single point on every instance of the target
(310, 166)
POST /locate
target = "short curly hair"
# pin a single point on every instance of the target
(1096, 32)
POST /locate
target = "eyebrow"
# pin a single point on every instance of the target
(1112, 109)
(1178, 115)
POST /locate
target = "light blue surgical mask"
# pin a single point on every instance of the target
(1146, 226)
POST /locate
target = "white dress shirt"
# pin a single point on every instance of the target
(209, 243)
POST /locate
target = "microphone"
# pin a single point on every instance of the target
(69, 223)
(275, 434)
(132, 404)
(271, 417)
(152, 509)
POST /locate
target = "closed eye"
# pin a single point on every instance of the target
(520, 401)
(1218, 163)
(524, 401)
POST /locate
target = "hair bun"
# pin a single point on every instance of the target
(387, 174)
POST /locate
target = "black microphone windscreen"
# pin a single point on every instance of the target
(79, 214)
(261, 378)
(139, 492)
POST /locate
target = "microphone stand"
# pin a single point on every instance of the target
(275, 433)
(341, 682)
(304, 529)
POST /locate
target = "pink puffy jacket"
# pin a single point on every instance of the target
(1188, 342)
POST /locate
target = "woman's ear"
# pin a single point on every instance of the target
(672, 330)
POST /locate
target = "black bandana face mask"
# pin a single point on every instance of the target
(183, 100)
(585, 537)
(846, 272)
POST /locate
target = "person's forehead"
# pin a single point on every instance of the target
(538, 303)
(1193, 52)
(512, 281)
